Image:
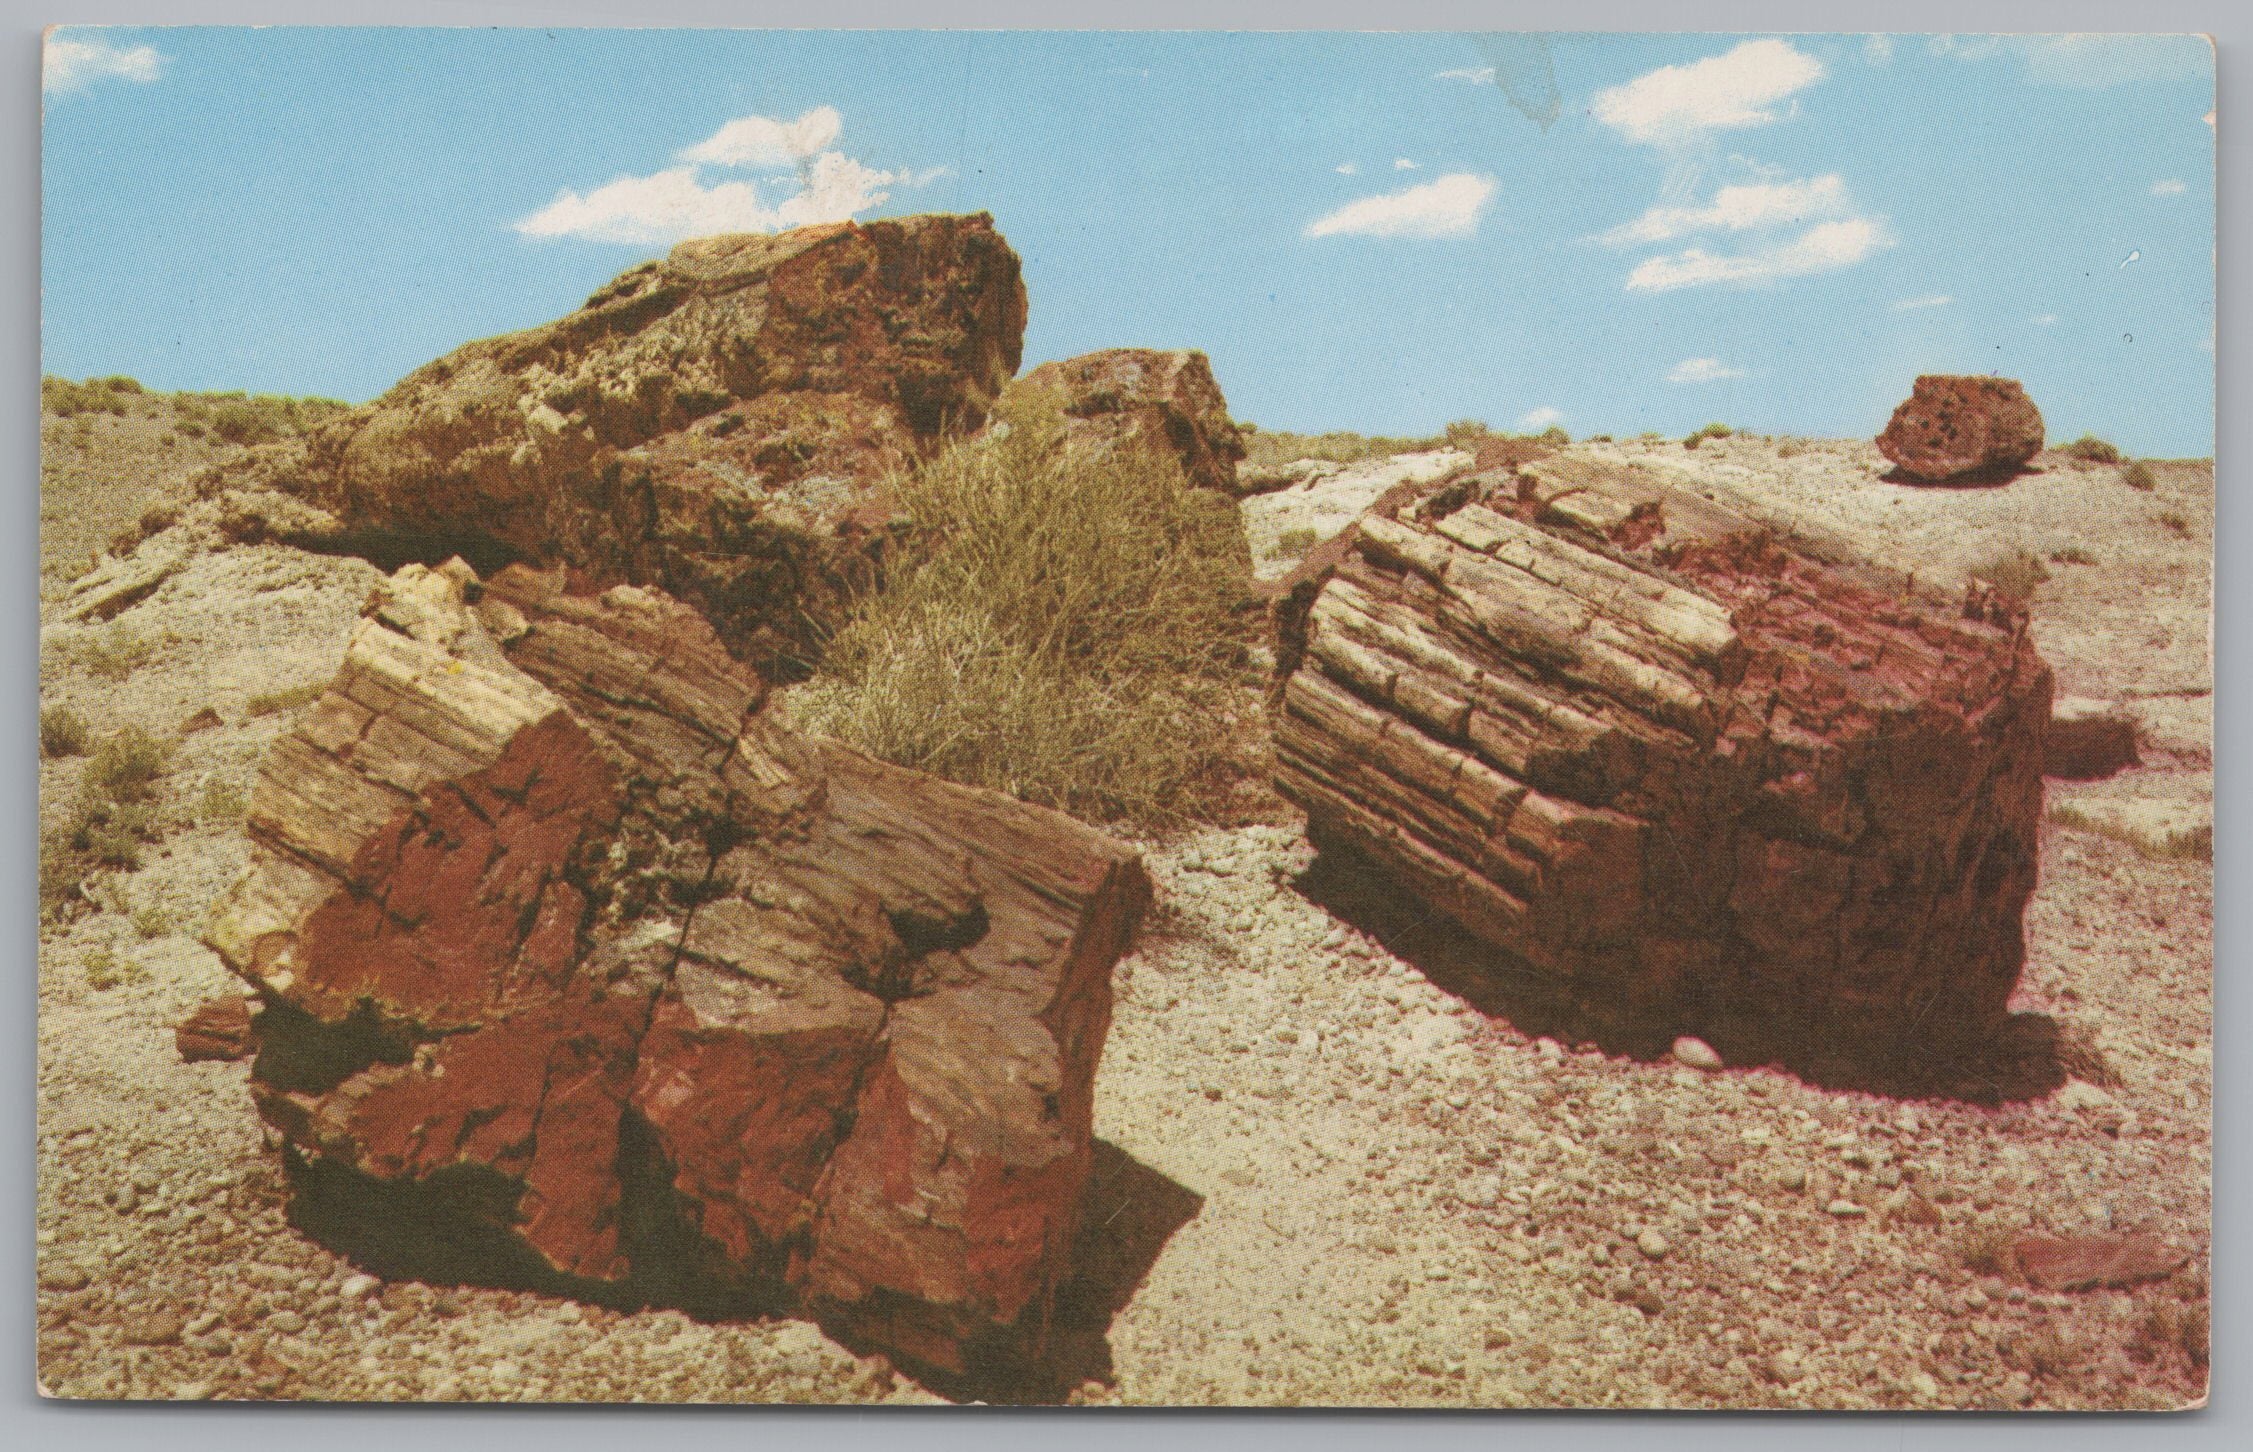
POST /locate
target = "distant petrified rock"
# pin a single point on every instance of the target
(716, 424)
(1167, 399)
(562, 940)
(2084, 1262)
(1957, 427)
(2088, 739)
(1695, 776)
(219, 1030)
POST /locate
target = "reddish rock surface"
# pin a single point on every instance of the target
(1962, 428)
(716, 424)
(1168, 399)
(555, 931)
(219, 1030)
(1698, 777)
(2084, 1262)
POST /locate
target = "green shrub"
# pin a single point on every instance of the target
(1067, 626)
(62, 732)
(99, 965)
(2092, 450)
(151, 921)
(222, 802)
(66, 399)
(1554, 434)
(126, 765)
(2013, 575)
(115, 653)
(1269, 449)
(2175, 521)
(1710, 431)
(1465, 433)
(251, 418)
(2138, 476)
(1295, 542)
(1790, 449)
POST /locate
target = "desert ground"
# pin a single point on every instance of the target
(1332, 1168)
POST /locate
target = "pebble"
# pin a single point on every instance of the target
(1921, 1383)
(1793, 1179)
(286, 1323)
(356, 1286)
(1652, 1244)
(1483, 1191)
(1696, 1054)
(63, 1275)
(153, 1328)
(1845, 1209)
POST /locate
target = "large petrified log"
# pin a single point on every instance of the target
(1168, 400)
(1699, 775)
(1962, 428)
(557, 933)
(718, 424)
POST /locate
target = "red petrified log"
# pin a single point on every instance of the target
(218, 1030)
(536, 890)
(1962, 427)
(1700, 776)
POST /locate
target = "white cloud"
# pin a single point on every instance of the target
(1346, 168)
(1541, 418)
(1676, 105)
(73, 65)
(1826, 247)
(1448, 206)
(1702, 370)
(680, 202)
(1402, 163)
(2168, 187)
(762, 141)
(2043, 320)
(1737, 208)
(1476, 75)
(2089, 62)
(1877, 49)
(1917, 304)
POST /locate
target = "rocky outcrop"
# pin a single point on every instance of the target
(1168, 400)
(1698, 777)
(717, 424)
(1956, 428)
(561, 940)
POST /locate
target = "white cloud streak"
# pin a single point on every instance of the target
(1447, 206)
(2168, 187)
(72, 65)
(1736, 209)
(1680, 105)
(1541, 418)
(1476, 75)
(1702, 370)
(1402, 163)
(820, 185)
(1826, 247)
(1918, 304)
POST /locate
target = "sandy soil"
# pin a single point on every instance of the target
(1337, 1164)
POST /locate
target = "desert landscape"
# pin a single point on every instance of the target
(1353, 1136)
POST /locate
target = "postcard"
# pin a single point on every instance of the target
(1216, 719)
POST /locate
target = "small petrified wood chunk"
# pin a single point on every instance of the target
(550, 923)
(1703, 777)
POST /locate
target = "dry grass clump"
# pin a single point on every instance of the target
(62, 732)
(2090, 449)
(2013, 575)
(1296, 542)
(1068, 626)
(115, 653)
(2072, 555)
(1985, 1250)
(1710, 431)
(115, 813)
(2138, 476)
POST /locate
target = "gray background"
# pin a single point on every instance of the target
(27, 1421)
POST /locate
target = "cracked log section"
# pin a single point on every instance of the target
(1695, 775)
(561, 939)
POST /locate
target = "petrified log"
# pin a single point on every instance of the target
(554, 929)
(1168, 400)
(219, 1030)
(718, 424)
(1702, 777)
(1961, 428)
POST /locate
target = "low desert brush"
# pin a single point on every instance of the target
(1296, 542)
(115, 653)
(1070, 626)
(2012, 575)
(289, 698)
(2138, 476)
(1710, 431)
(2090, 449)
(1264, 448)
(62, 732)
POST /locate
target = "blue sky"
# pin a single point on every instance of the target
(1376, 232)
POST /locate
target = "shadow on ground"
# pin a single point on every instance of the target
(447, 1234)
(2019, 1060)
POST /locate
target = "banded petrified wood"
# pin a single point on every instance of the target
(1699, 774)
(553, 928)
